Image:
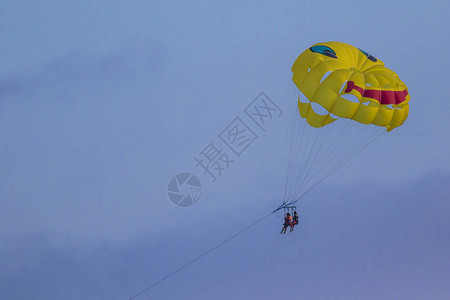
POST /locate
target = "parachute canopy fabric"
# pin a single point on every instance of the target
(381, 98)
(348, 99)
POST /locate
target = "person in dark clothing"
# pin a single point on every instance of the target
(294, 221)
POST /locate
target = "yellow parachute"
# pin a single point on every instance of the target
(348, 99)
(383, 97)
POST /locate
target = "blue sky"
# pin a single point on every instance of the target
(102, 102)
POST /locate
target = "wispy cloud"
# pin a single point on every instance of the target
(74, 67)
(382, 232)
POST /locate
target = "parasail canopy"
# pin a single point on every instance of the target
(347, 99)
(380, 97)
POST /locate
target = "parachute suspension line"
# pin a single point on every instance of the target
(297, 146)
(289, 159)
(332, 147)
(309, 159)
(343, 134)
(336, 168)
(290, 153)
(342, 149)
(299, 149)
(323, 157)
(366, 137)
(305, 154)
(370, 140)
(321, 135)
(291, 146)
(301, 154)
(317, 148)
(348, 152)
(305, 159)
(308, 151)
